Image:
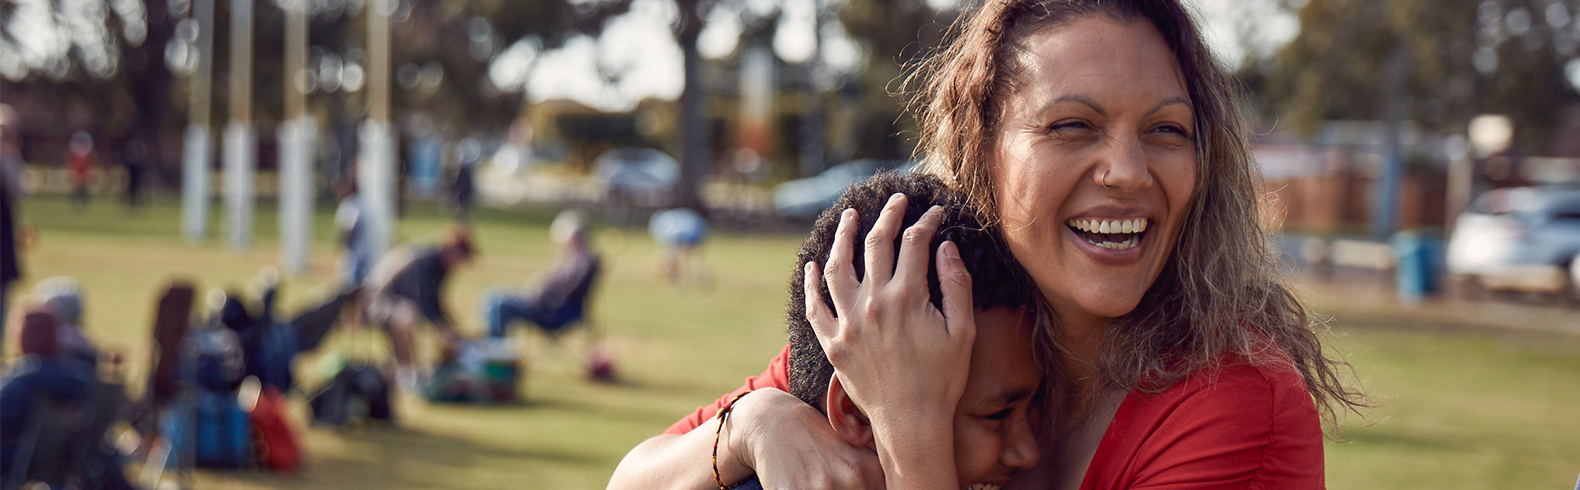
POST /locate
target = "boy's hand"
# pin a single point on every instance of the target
(790, 444)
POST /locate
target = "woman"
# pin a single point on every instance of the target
(1103, 139)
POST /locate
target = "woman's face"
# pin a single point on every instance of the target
(1094, 164)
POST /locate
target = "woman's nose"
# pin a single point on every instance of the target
(1123, 166)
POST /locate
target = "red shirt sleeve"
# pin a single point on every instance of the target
(1247, 428)
(776, 376)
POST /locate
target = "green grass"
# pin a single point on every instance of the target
(1460, 409)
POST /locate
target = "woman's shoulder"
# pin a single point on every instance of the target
(1239, 422)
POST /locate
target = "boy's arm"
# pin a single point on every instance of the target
(770, 433)
(797, 442)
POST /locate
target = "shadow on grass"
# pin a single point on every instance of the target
(1413, 442)
(396, 457)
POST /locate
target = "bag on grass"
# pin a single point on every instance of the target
(278, 447)
(354, 393)
(222, 432)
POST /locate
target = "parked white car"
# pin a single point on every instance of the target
(1522, 238)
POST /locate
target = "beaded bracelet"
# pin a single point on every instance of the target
(724, 414)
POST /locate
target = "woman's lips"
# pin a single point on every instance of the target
(1110, 234)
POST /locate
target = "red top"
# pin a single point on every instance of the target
(1249, 427)
(776, 376)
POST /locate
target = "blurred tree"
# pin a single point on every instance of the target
(895, 33)
(1454, 58)
(106, 57)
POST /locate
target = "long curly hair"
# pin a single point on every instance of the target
(1222, 292)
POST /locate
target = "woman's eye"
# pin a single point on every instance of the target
(1174, 130)
(1068, 125)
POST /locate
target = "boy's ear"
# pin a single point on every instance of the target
(847, 419)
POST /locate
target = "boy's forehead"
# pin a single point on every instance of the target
(1002, 355)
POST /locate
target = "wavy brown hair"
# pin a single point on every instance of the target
(1222, 292)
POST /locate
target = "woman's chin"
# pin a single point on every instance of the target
(1100, 306)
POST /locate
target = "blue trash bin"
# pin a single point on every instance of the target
(1419, 256)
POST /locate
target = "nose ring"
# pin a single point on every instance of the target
(1105, 180)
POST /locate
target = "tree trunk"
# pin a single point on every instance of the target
(693, 128)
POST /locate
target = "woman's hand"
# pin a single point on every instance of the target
(902, 361)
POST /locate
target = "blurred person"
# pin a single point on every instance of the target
(680, 233)
(407, 285)
(349, 222)
(461, 193)
(558, 298)
(993, 438)
(79, 166)
(11, 192)
(135, 158)
(61, 297)
(40, 373)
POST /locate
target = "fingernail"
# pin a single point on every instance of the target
(935, 209)
(896, 197)
(848, 214)
(949, 250)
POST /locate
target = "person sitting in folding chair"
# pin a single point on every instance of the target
(560, 299)
(42, 373)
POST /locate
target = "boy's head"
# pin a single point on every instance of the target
(992, 437)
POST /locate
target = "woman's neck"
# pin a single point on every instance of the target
(1081, 337)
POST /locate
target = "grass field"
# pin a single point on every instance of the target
(1460, 408)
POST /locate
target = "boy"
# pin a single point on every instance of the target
(992, 436)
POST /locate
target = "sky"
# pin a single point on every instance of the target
(638, 46)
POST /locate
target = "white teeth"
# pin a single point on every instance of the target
(1124, 245)
(982, 486)
(1109, 226)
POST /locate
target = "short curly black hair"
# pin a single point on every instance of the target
(997, 279)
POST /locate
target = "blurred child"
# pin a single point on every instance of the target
(79, 165)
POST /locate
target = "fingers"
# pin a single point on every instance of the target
(955, 282)
(880, 242)
(823, 322)
(911, 271)
(840, 274)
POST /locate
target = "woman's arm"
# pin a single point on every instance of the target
(784, 441)
(902, 360)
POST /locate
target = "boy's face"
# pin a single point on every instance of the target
(993, 437)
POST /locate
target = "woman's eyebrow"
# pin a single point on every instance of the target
(1178, 99)
(1082, 99)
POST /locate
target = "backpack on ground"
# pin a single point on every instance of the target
(278, 447)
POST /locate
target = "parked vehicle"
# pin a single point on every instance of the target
(640, 177)
(806, 198)
(1523, 238)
